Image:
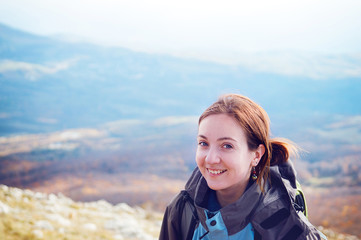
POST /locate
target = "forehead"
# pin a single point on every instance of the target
(220, 125)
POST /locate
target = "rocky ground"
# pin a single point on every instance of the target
(28, 215)
(32, 215)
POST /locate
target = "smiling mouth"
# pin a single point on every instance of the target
(216, 172)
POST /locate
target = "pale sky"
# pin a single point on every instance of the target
(236, 32)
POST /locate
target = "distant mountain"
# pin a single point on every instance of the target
(48, 85)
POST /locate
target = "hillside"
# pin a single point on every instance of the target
(34, 215)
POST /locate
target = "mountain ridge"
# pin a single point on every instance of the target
(49, 85)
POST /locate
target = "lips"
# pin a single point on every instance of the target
(216, 171)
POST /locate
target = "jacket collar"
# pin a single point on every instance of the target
(235, 216)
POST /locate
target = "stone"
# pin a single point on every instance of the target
(118, 237)
(59, 219)
(124, 208)
(38, 233)
(90, 227)
(43, 224)
(4, 208)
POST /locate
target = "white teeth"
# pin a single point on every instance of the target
(216, 171)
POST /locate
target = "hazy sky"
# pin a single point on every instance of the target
(242, 32)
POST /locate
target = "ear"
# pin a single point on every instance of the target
(258, 153)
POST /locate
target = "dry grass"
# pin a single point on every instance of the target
(51, 217)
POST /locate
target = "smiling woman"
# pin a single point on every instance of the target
(244, 186)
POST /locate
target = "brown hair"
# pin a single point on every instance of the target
(256, 124)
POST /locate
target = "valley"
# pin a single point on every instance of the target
(148, 169)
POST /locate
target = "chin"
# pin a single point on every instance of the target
(215, 187)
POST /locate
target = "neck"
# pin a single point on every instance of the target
(229, 196)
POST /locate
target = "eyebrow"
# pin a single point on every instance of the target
(219, 139)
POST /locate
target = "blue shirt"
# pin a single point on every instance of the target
(217, 228)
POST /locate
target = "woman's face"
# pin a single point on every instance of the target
(222, 155)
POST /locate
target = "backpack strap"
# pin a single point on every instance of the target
(188, 217)
(300, 200)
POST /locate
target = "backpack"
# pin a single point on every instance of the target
(300, 201)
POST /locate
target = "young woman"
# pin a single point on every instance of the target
(244, 186)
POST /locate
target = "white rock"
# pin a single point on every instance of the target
(128, 227)
(16, 193)
(59, 219)
(103, 205)
(124, 208)
(136, 234)
(120, 223)
(90, 227)
(38, 233)
(43, 224)
(56, 207)
(4, 188)
(145, 236)
(52, 198)
(140, 212)
(26, 200)
(111, 225)
(4, 208)
(61, 231)
(65, 200)
(28, 193)
(118, 237)
(39, 195)
(48, 208)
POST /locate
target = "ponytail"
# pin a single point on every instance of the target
(278, 151)
(282, 149)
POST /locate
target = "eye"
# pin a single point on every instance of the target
(227, 146)
(202, 143)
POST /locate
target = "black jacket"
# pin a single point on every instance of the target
(272, 213)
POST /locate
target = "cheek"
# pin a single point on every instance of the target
(197, 157)
(243, 164)
(200, 156)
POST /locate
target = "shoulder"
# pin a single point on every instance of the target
(276, 217)
(179, 218)
(170, 226)
(279, 220)
(176, 205)
(186, 195)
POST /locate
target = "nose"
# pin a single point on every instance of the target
(212, 156)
